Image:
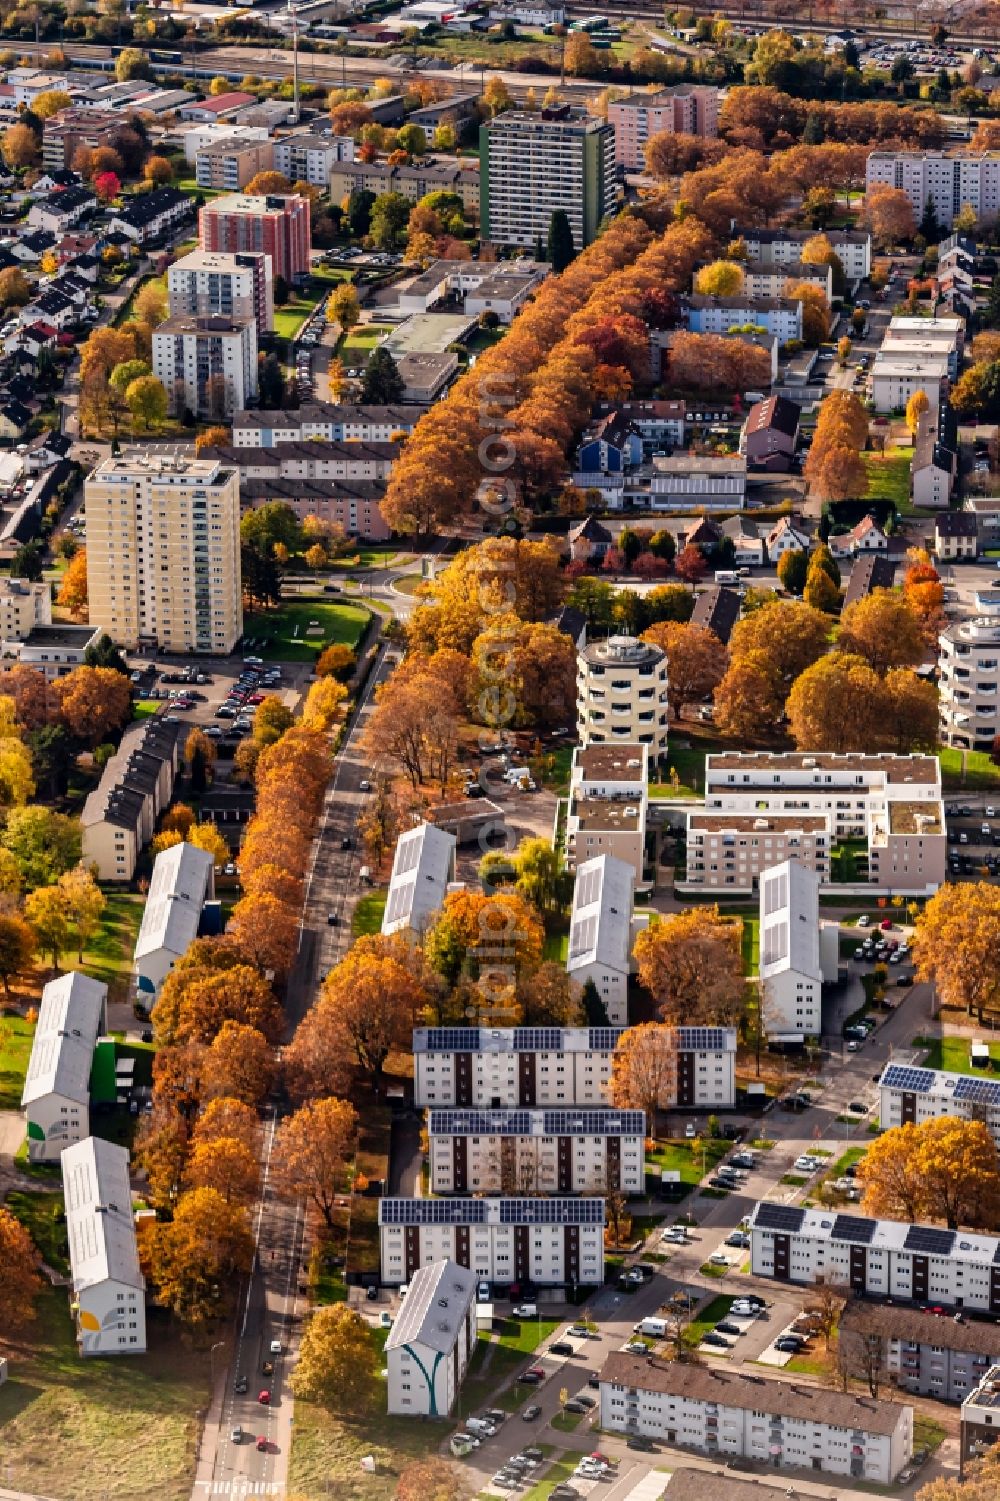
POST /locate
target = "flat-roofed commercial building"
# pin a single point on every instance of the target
(735, 1415)
(876, 1258)
(533, 165)
(556, 1241)
(573, 1149)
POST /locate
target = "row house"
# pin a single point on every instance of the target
(571, 1150)
(137, 783)
(331, 422)
(147, 217)
(551, 1242)
(886, 1259)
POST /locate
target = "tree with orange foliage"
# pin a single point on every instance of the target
(226, 1164)
(20, 1282)
(888, 214)
(267, 931)
(311, 1153)
(239, 1064)
(72, 594)
(373, 996)
(94, 702)
(195, 1259)
(229, 1118)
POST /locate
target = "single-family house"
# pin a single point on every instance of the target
(589, 540)
(956, 537)
(785, 536)
(770, 434)
(866, 536)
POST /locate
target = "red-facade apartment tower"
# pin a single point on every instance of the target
(279, 226)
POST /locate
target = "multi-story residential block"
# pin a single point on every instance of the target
(689, 482)
(779, 316)
(910, 1096)
(137, 783)
(575, 1149)
(608, 801)
(735, 1415)
(23, 605)
(61, 210)
(687, 109)
(196, 137)
(762, 808)
(277, 225)
(969, 683)
(956, 534)
(876, 1258)
(183, 880)
(432, 1341)
(555, 1241)
(64, 133)
(315, 459)
(163, 553)
(422, 867)
(108, 1288)
(533, 165)
(621, 687)
(353, 505)
(791, 972)
(935, 458)
(917, 354)
(209, 284)
(600, 934)
(944, 1358)
(980, 1417)
(499, 1068)
(763, 279)
(503, 1068)
(948, 183)
(771, 433)
(148, 217)
(311, 158)
(412, 181)
(228, 165)
(335, 424)
(56, 1095)
(783, 247)
(207, 365)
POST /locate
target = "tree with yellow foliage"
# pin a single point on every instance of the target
(644, 1071)
(195, 1259)
(338, 1362)
(942, 1169)
(915, 408)
(719, 279)
(72, 594)
(321, 709)
(692, 966)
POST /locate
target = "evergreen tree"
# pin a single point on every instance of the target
(813, 132)
(992, 312)
(271, 382)
(561, 249)
(928, 224)
(359, 211)
(382, 384)
(852, 58)
(27, 562)
(594, 1008)
(104, 653)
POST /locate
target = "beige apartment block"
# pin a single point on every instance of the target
(223, 284)
(229, 165)
(621, 694)
(163, 553)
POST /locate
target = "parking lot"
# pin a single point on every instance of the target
(220, 696)
(973, 832)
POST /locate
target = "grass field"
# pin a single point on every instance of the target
(284, 629)
(750, 944)
(355, 349)
(679, 1157)
(327, 1451)
(15, 1049)
(970, 769)
(289, 318)
(42, 1216)
(706, 1320)
(119, 1431)
(889, 477)
(109, 957)
(952, 1055)
(367, 916)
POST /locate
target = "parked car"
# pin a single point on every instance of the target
(717, 1341)
(531, 1412)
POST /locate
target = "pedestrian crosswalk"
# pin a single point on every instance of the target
(239, 1488)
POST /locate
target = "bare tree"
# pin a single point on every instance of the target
(825, 1307)
(861, 1350)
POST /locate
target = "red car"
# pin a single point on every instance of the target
(262, 1443)
(264, 1398)
(886, 924)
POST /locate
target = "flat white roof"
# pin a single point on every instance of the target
(99, 1220)
(789, 921)
(69, 1021)
(435, 1307)
(423, 865)
(601, 925)
(177, 891)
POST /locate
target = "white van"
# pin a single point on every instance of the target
(726, 576)
(656, 1328)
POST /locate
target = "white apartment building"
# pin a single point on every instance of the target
(949, 182)
(876, 1258)
(687, 109)
(320, 419)
(56, 1095)
(916, 354)
(779, 316)
(432, 1341)
(621, 694)
(572, 1150)
(910, 1096)
(600, 933)
(509, 1067)
(555, 1241)
(764, 280)
(108, 1289)
(533, 165)
(304, 157)
(183, 880)
(969, 683)
(926, 1357)
(731, 1414)
(791, 972)
(207, 365)
(221, 284)
(196, 137)
(608, 803)
(781, 247)
(422, 869)
(765, 807)
(163, 553)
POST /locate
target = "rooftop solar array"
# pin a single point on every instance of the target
(706, 1040)
(582, 935)
(929, 1242)
(778, 1217)
(595, 1122)
(408, 853)
(400, 902)
(480, 1123)
(977, 1091)
(491, 1212)
(852, 1227)
(432, 1211)
(588, 887)
(551, 1211)
(570, 1121)
(527, 1039)
(913, 1080)
(453, 1039)
(605, 1039)
(538, 1039)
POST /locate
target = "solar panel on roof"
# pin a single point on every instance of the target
(453, 1039)
(581, 935)
(853, 1227)
(913, 1080)
(552, 1211)
(400, 901)
(432, 1211)
(408, 853)
(538, 1039)
(480, 1123)
(604, 1039)
(588, 886)
(702, 1039)
(928, 1241)
(778, 1217)
(977, 1091)
(595, 1122)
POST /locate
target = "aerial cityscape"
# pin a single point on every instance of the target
(499, 751)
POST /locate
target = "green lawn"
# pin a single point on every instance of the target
(284, 629)
(15, 1049)
(928, 1433)
(678, 1157)
(750, 944)
(109, 957)
(368, 913)
(113, 1430)
(952, 1055)
(848, 1159)
(559, 1472)
(556, 947)
(707, 1319)
(889, 477)
(355, 349)
(42, 1215)
(688, 761)
(525, 1335)
(145, 708)
(970, 769)
(565, 1422)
